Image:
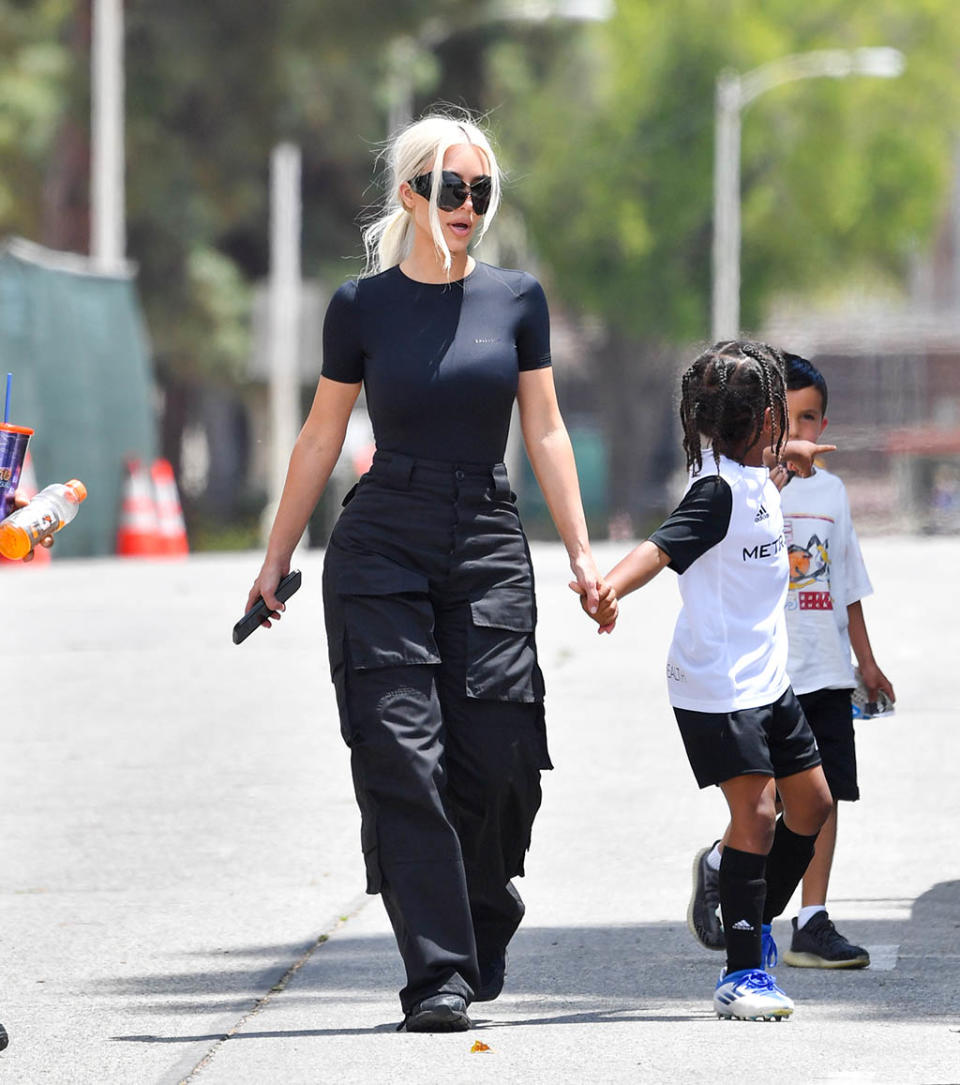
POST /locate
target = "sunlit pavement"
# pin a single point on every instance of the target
(182, 885)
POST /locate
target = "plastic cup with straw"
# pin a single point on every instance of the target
(13, 451)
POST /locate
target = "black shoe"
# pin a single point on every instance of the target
(818, 944)
(492, 975)
(439, 1013)
(703, 918)
(4, 1038)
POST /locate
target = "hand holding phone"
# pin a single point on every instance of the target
(259, 612)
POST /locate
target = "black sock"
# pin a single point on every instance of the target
(742, 891)
(788, 860)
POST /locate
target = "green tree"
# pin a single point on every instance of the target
(34, 80)
(839, 178)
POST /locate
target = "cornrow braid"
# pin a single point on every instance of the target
(724, 395)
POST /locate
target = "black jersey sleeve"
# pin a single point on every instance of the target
(699, 522)
(342, 345)
(533, 334)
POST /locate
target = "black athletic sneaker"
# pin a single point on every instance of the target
(439, 1013)
(818, 944)
(703, 917)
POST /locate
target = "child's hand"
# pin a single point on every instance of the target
(607, 610)
(799, 456)
(780, 475)
(874, 679)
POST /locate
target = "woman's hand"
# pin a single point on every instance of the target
(584, 568)
(271, 573)
(607, 609)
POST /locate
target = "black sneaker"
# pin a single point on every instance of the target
(818, 944)
(439, 1013)
(4, 1038)
(703, 917)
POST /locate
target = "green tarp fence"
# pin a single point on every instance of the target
(76, 344)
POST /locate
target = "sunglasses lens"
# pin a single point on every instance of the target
(453, 191)
(450, 197)
(480, 193)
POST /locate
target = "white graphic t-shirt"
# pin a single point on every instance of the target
(827, 574)
(726, 541)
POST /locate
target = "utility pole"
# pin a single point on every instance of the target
(284, 320)
(108, 241)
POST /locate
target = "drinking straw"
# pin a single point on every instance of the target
(6, 401)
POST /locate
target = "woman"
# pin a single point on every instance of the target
(428, 585)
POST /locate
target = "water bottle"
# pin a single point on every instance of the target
(46, 513)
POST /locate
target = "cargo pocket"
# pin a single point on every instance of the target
(502, 654)
(387, 614)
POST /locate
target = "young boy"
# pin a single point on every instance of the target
(824, 620)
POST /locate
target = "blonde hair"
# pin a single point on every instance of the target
(420, 148)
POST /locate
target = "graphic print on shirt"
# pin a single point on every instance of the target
(809, 567)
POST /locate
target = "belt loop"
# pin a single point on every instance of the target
(501, 484)
(399, 470)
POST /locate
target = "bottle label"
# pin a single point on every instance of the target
(42, 526)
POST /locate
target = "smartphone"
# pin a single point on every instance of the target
(259, 611)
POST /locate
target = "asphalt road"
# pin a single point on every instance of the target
(182, 887)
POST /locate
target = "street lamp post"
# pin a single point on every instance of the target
(107, 218)
(733, 93)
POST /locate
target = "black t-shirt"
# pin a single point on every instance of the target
(698, 523)
(439, 361)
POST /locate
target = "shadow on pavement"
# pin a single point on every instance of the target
(579, 975)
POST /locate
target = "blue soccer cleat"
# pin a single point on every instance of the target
(750, 995)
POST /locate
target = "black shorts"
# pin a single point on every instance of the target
(831, 720)
(772, 740)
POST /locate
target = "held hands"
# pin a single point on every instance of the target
(597, 598)
(607, 607)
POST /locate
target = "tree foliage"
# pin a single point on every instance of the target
(34, 80)
(839, 177)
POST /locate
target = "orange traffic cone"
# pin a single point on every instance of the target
(138, 532)
(172, 530)
(28, 484)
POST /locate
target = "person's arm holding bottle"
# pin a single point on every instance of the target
(314, 456)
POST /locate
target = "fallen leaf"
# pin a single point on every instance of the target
(478, 1046)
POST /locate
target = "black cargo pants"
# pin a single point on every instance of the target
(430, 615)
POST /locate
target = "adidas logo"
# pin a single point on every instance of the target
(743, 925)
(762, 514)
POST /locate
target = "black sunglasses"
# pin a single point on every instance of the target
(453, 191)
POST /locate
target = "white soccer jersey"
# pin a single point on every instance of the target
(726, 541)
(827, 574)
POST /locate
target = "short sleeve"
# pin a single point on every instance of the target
(342, 344)
(533, 334)
(855, 578)
(698, 523)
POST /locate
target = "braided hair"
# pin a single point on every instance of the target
(723, 397)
